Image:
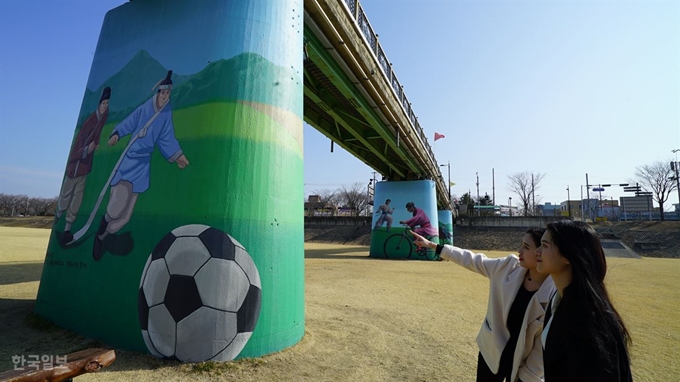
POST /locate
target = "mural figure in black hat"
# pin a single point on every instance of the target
(80, 165)
(150, 126)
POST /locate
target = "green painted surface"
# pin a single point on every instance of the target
(445, 227)
(237, 116)
(249, 213)
(397, 243)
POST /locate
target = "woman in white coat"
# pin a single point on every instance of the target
(510, 338)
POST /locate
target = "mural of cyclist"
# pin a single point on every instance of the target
(419, 219)
(385, 215)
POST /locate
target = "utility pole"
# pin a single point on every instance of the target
(590, 213)
(493, 187)
(582, 219)
(623, 204)
(568, 202)
(649, 205)
(448, 164)
(599, 206)
(533, 196)
(369, 195)
(450, 201)
(477, 186)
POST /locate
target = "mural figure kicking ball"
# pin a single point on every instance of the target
(150, 126)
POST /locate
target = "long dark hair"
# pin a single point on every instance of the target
(536, 235)
(579, 243)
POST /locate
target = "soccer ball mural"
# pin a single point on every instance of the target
(199, 296)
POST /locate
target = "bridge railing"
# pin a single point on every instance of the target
(371, 38)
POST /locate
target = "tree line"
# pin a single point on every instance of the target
(23, 205)
(355, 198)
(660, 178)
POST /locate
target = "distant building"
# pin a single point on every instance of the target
(506, 210)
(549, 209)
(346, 211)
(609, 212)
(315, 207)
(576, 208)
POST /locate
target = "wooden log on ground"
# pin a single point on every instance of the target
(80, 362)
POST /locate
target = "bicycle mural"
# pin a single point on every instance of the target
(408, 206)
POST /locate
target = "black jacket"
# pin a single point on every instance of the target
(571, 354)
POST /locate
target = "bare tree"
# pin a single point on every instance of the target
(46, 206)
(12, 205)
(4, 205)
(21, 204)
(657, 178)
(467, 204)
(612, 213)
(355, 197)
(521, 184)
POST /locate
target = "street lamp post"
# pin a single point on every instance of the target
(371, 201)
(449, 166)
(510, 205)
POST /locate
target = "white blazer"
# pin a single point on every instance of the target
(506, 276)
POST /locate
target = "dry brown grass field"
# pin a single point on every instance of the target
(366, 320)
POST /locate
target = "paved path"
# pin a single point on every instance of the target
(615, 248)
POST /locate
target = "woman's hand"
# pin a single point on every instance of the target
(422, 242)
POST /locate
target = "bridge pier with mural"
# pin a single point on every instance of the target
(179, 230)
(400, 208)
(445, 226)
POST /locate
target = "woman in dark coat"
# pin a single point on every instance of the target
(584, 338)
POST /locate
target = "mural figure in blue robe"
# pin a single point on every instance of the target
(150, 126)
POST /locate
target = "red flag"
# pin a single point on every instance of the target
(438, 136)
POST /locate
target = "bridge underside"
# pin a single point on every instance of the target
(335, 108)
(348, 99)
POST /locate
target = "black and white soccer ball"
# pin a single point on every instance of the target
(199, 296)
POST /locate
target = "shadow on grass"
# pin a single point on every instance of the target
(25, 333)
(336, 253)
(20, 273)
